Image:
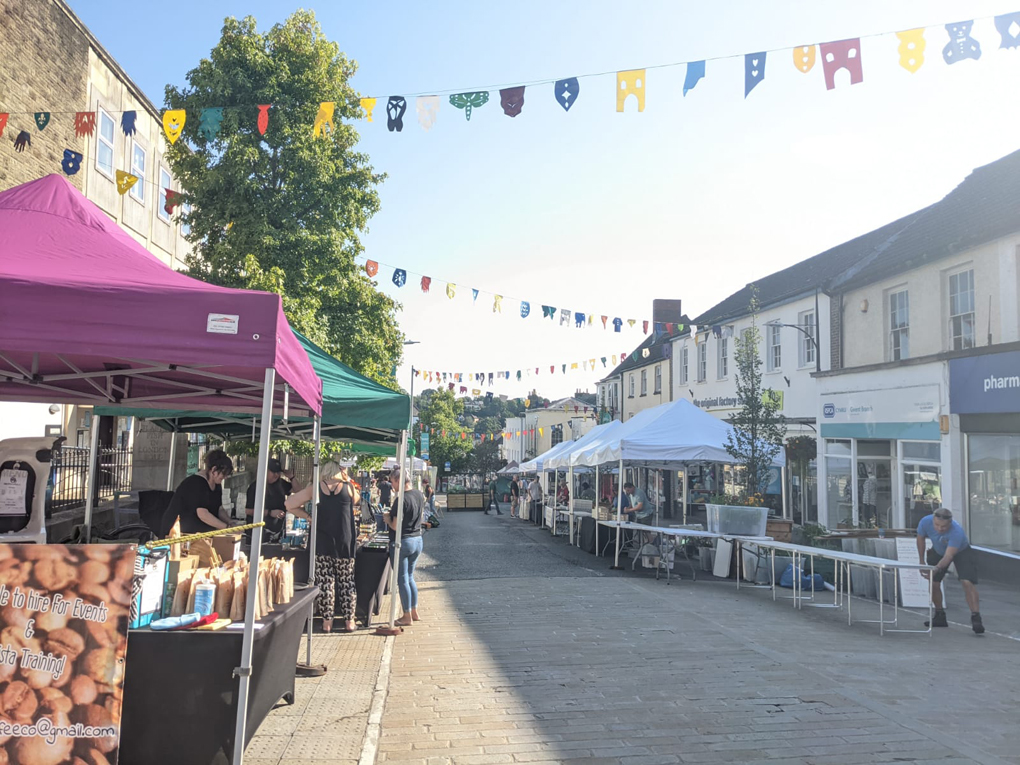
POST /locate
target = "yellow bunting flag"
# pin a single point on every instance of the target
(173, 123)
(629, 83)
(527, 403)
(911, 49)
(804, 57)
(631, 322)
(324, 119)
(497, 304)
(125, 181)
(541, 431)
(573, 365)
(451, 290)
(368, 104)
(614, 359)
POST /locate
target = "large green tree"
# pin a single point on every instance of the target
(438, 411)
(284, 211)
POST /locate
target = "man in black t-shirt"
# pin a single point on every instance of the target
(277, 489)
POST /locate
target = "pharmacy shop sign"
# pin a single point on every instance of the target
(987, 384)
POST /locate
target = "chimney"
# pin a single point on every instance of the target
(666, 311)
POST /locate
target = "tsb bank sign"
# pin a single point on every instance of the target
(988, 384)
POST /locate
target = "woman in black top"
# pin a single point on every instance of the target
(336, 535)
(198, 500)
(410, 546)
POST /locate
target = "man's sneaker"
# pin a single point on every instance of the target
(939, 620)
(976, 625)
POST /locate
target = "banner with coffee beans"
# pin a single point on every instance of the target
(63, 641)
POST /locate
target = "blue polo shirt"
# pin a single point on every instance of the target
(954, 537)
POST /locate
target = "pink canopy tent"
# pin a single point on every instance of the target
(89, 316)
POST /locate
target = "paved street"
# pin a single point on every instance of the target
(531, 651)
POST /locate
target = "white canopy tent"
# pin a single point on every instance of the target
(670, 435)
(538, 464)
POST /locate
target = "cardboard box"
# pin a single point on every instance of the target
(228, 546)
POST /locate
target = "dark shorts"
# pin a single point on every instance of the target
(966, 562)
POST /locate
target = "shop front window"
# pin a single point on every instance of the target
(839, 491)
(994, 485)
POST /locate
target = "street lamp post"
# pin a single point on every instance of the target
(810, 332)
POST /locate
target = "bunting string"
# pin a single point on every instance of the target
(958, 44)
(560, 317)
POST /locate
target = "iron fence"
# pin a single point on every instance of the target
(67, 476)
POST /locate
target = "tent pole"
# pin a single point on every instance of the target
(173, 458)
(317, 428)
(555, 495)
(570, 503)
(685, 495)
(782, 483)
(619, 514)
(244, 671)
(595, 509)
(396, 542)
(90, 477)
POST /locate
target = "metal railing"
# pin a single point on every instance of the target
(67, 476)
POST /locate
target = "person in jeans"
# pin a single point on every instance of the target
(949, 544)
(493, 500)
(410, 546)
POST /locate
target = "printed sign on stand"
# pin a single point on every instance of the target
(913, 586)
(63, 639)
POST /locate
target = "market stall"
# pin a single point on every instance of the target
(89, 317)
(670, 436)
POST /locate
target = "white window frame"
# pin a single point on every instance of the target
(644, 382)
(775, 348)
(100, 141)
(961, 315)
(185, 227)
(807, 320)
(137, 191)
(899, 324)
(684, 372)
(658, 379)
(631, 385)
(703, 361)
(161, 212)
(722, 358)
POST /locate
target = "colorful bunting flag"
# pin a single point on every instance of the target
(804, 58)
(695, 73)
(395, 108)
(961, 45)
(427, 108)
(451, 290)
(125, 181)
(173, 123)
(566, 92)
(469, 101)
(426, 282)
(22, 141)
(71, 163)
(630, 82)
(127, 122)
(84, 124)
(4, 116)
(525, 309)
(845, 54)
(263, 118)
(323, 124)
(399, 277)
(368, 105)
(754, 71)
(1008, 27)
(371, 267)
(42, 119)
(512, 100)
(209, 122)
(497, 304)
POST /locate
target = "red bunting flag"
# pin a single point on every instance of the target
(644, 327)
(372, 268)
(84, 124)
(426, 282)
(263, 121)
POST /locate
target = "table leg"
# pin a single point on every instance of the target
(849, 595)
(881, 601)
(773, 574)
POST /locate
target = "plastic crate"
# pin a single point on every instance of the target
(737, 520)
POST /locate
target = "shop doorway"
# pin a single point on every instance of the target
(875, 495)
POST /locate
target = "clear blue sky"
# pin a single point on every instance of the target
(602, 212)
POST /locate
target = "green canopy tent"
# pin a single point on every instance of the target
(370, 417)
(356, 410)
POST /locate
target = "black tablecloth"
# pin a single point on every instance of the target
(587, 540)
(180, 696)
(371, 575)
(371, 579)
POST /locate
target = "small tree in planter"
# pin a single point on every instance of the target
(758, 427)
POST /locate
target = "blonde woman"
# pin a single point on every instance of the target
(335, 543)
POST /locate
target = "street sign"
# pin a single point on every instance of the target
(447, 467)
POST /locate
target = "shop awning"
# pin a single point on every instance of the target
(89, 316)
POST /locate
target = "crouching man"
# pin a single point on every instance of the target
(949, 544)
